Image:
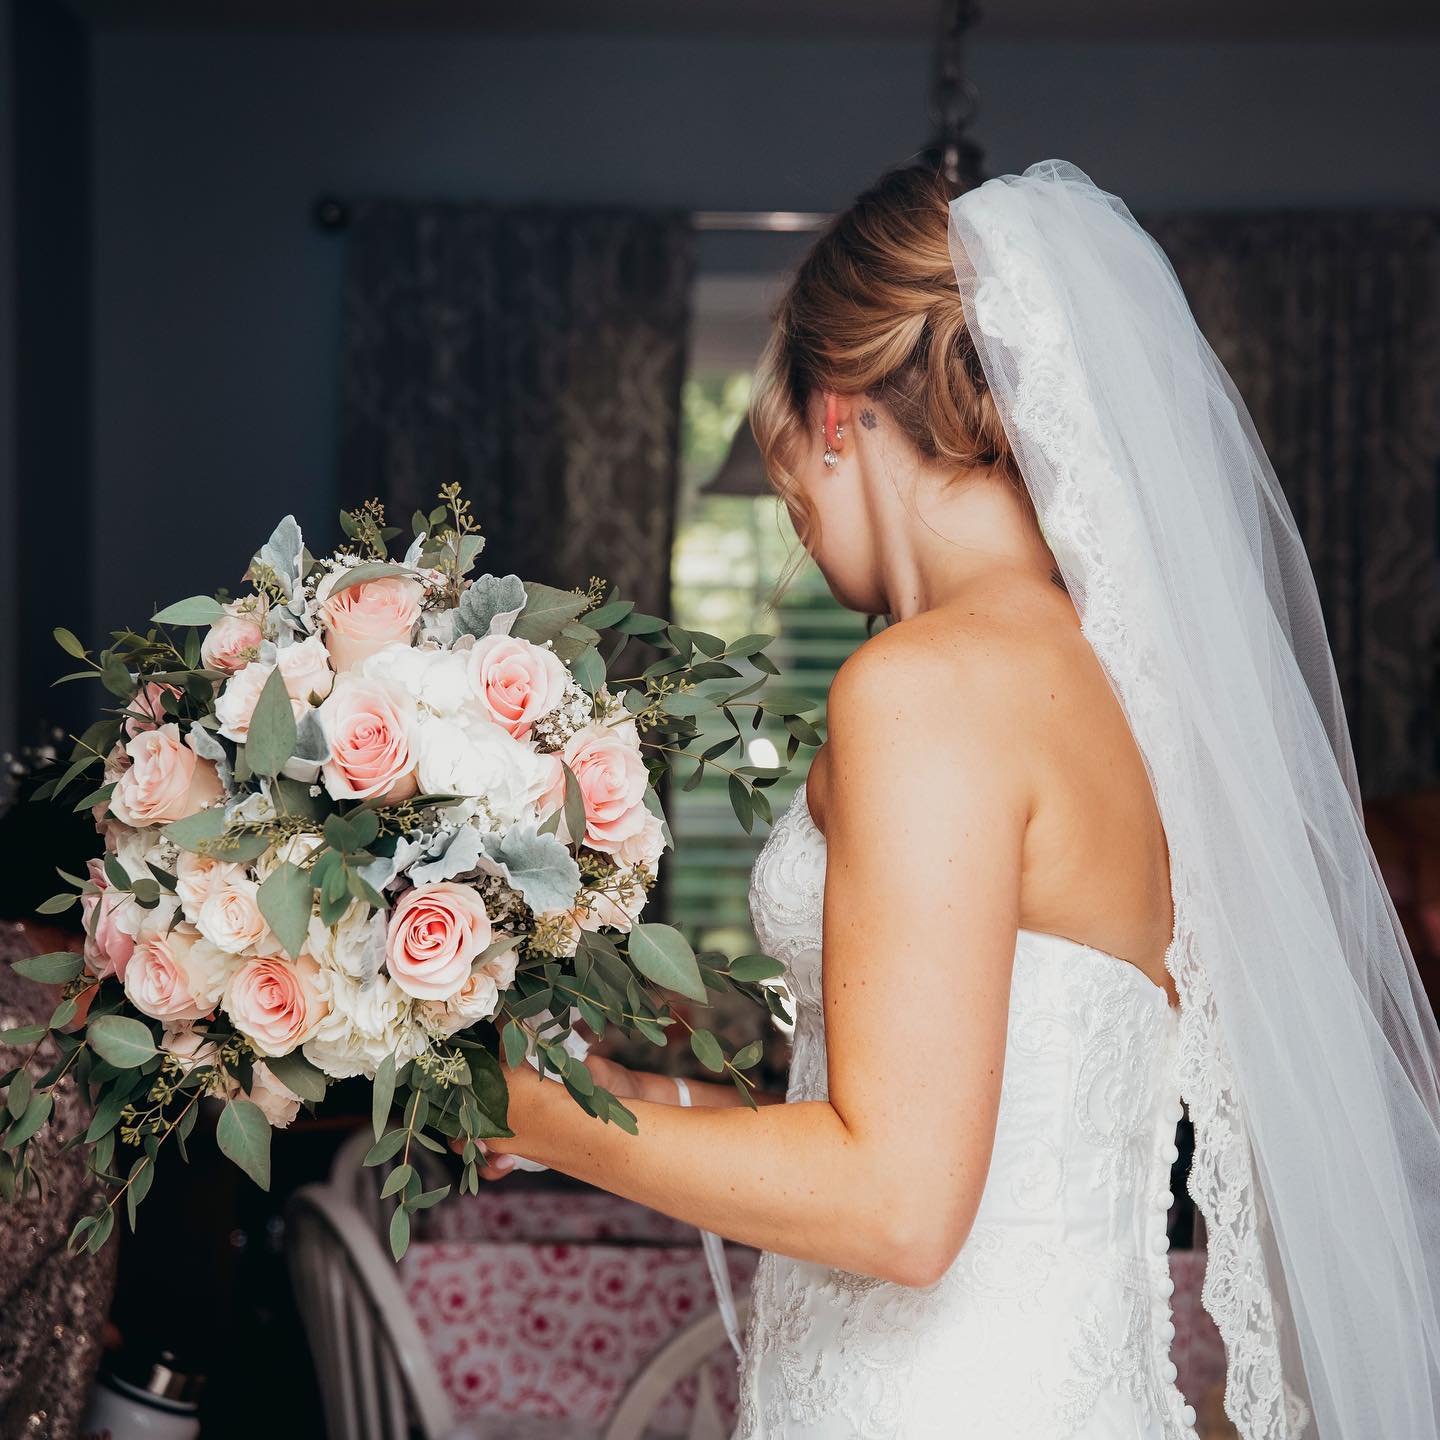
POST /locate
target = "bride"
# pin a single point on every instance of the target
(1084, 844)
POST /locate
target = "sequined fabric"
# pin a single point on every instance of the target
(52, 1304)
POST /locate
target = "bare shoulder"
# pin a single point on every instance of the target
(964, 681)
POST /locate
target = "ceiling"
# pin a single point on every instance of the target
(1155, 20)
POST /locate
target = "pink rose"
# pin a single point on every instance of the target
(276, 1004)
(436, 933)
(612, 779)
(166, 780)
(107, 947)
(147, 708)
(370, 728)
(176, 976)
(277, 1101)
(518, 682)
(367, 617)
(553, 798)
(198, 877)
(231, 643)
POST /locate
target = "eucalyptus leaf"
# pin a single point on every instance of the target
(662, 954)
(707, 1050)
(197, 832)
(371, 570)
(37, 1112)
(197, 610)
(271, 738)
(399, 1232)
(243, 1135)
(383, 1095)
(547, 612)
(124, 1042)
(298, 1075)
(56, 968)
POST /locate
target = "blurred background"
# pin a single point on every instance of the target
(260, 256)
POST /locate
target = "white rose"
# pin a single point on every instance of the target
(479, 759)
(367, 1022)
(305, 669)
(240, 696)
(230, 919)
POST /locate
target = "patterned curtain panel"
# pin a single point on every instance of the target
(535, 356)
(1330, 325)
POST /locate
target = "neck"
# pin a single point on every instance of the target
(949, 534)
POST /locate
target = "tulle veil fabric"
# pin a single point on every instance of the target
(1309, 1053)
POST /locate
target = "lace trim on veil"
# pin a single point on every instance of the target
(1089, 527)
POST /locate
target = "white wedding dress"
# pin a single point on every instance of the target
(1054, 1320)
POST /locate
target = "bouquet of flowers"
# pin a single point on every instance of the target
(377, 817)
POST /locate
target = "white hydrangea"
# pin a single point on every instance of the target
(368, 1020)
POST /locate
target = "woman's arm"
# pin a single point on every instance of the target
(926, 805)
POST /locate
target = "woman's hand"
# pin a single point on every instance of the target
(622, 1082)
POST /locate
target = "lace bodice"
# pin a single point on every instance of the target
(1054, 1320)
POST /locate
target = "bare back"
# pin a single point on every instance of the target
(1095, 864)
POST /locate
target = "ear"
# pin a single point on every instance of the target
(839, 411)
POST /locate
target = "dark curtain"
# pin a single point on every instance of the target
(1330, 325)
(534, 355)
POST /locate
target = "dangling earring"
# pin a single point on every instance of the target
(830, 457)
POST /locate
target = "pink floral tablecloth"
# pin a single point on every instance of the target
(547, 1303)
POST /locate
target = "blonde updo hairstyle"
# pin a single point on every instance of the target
(874, 310)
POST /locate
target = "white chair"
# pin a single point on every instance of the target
(378, 1380)
(684, 1354)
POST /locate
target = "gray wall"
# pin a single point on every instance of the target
(9, 592)
(216, 302)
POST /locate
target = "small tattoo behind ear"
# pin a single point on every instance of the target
(868, 419)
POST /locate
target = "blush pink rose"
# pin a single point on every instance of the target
(107, 947)
(553, 798)
(436, 933)
(176, 976)
(517, 682)
(370, 728)
(231, 643)
(367, 617)
(612, 779)
(276, 1003)
(166, 780)
(277, 1101)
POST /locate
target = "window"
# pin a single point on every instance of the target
(730, 552)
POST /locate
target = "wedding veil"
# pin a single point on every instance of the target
(1308, 1049)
